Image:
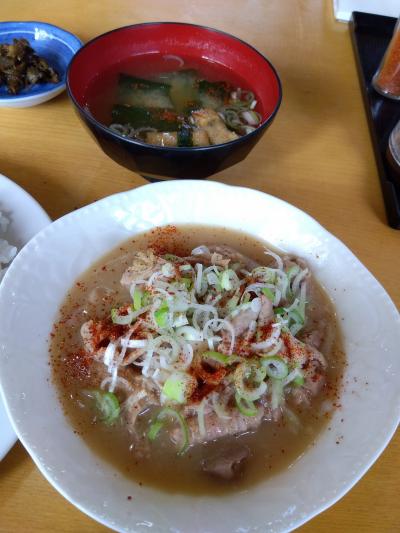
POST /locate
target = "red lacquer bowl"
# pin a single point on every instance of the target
(177, 39)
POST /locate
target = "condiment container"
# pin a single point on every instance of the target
(387, 78)
(393, 151)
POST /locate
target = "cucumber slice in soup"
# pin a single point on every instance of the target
(140, 117)
(139, 92)
(213, 94)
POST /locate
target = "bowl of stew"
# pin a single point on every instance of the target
(174, 100)
(172, 365)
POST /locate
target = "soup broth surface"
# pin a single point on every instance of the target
(194, 102)
(274, 446)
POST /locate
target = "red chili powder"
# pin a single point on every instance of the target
(388, 78)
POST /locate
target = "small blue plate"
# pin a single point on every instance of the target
(56, 45)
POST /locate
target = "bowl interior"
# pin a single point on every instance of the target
(167, 38)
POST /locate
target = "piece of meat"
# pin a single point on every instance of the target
(142, 397)
(217, 428)
(208, 259)
(135, 392)
(228, 463)
(144, 264)
(97, 335)
(266, 312)
(241, 322)
(99, 372)
(222, 255)
(233, 255)
(213, 125)
(299, 353)
(165, 138)
(319, 330)
(290, 260)
(312, 363)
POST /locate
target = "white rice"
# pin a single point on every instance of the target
(7, 252)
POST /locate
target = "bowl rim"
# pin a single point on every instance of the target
(179, 149)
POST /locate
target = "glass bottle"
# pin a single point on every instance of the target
(393, 151)
(387, 78)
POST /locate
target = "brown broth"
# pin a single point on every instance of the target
(274, 446)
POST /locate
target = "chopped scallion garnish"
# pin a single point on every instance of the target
(159, 423)
(161, 315)
(175, 387)
(268, 293)
(275, 367)
(107, 404)
(137, 299)
(122, 319)
(246, 407)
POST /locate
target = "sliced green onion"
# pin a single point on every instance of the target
(297, 316)
(292, 271)
(290, 274)
(302, 302)
(154, 430)
(219, 357)
(216, 356)
(185, 267)
(268, 274)
(295, 328)
(276, 393)
(168, 270)
(251, 117)
(294, 377)
(137, 299)
(246, 298)
(107, 404)
(121, 320)
(180, 319)
(226, 283)
(187, 282)
(299, 380)
(146, 298)
(189, 333)
(251, 372)
(279, 310)
(275, 367)
(268, 293)
(246, 407)
(232, 303)
(175, 387)
(171, 257)
(159, 423)
(161, 315)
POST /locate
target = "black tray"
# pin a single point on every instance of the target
(370, 37)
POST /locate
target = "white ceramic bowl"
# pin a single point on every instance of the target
(26, 218)
(35, 286)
